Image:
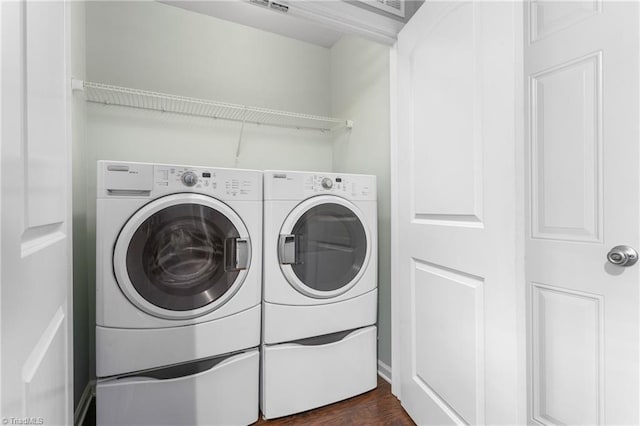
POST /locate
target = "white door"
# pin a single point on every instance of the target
(36, 335)
(581, 61)
(456, 266)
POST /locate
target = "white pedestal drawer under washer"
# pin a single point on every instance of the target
(178, 288)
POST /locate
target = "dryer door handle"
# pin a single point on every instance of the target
(236, 254)
(287, 249)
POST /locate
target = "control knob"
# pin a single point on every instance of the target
(327, 183)
(189, 178)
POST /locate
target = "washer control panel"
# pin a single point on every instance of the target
(146, 180)
(222, 183)
(189, 178)
(327, 183)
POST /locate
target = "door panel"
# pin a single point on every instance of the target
(457, 257)
(45, 170)
(548, 17)
(582, 195)
(566, 159)
(36, 251)
(42, 376)
(448, 186)
(445, 364)
(567, 330)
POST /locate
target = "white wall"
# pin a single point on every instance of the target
(360, 91)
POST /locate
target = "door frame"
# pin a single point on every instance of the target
(69, 188)
(1, 65)
(396, 361)
(520, 220)
(522, 358)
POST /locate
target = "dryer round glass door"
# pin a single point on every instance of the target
(324, 246)
(181, 256)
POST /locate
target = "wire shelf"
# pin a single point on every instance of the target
(134, 98)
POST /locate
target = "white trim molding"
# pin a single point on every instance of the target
(384, 371)
(348, 18)
(319, 22)
(395, 244)
(2, 59)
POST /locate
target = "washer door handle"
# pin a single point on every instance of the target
(287, 249)
(236, 254)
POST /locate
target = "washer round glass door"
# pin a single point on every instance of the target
(182, 256)
(324, 246)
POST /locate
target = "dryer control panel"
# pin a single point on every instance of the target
(344, 185)
(282, 185)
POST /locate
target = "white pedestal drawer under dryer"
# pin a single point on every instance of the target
(319, 290)
(178, 294)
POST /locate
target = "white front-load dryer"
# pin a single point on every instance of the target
(320, 256)
(320, 289)
(178, 292)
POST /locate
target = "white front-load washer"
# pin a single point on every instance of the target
(319, 289)
(178, 294)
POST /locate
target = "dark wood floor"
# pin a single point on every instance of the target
(377, 407)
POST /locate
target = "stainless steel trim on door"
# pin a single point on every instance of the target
(287, 249)
(236, 254)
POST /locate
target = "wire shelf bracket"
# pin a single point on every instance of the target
(142, 99)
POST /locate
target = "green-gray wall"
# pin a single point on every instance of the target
(82, 301)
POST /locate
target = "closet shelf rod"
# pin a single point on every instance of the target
(142, 99)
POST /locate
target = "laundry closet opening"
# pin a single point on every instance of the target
(158, 47)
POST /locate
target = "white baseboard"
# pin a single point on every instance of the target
(85, 401)
(384, 371)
